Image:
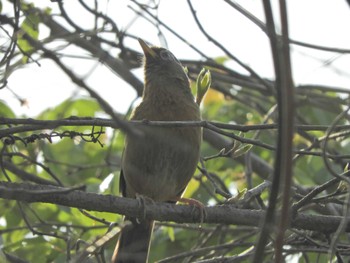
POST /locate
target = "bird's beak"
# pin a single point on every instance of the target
(146, 49)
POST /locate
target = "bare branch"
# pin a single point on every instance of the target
(225, 214)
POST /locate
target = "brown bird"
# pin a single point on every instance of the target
(159, 163)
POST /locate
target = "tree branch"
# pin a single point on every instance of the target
(224, 214)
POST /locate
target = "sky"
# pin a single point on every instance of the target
(320, 22)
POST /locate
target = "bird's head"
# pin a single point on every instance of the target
(162, 66)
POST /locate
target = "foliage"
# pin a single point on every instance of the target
(237, 157)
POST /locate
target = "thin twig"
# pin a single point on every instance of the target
(227, 52)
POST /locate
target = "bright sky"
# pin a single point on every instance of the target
(319, 22)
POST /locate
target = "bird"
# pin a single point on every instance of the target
(160, 161)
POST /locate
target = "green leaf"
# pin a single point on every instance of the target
(29, 26)
(238, 196)
(5, 111)
(191, 188)
(48, 11)
(203, 83)
(221, 60)
(80, 156)
(242, 150)
(13, 219)
(170, 232)
(72, 107)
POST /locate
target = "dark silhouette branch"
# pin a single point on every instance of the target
(224, 214)
(282, 176)
(91, 121)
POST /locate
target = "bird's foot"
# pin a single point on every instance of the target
(142, 202)
(196, 204)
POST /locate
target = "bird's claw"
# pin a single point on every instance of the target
(142, 202)
(196, 205)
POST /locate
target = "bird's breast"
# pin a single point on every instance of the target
(161, 161)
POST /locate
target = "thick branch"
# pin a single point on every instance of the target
(224, 214)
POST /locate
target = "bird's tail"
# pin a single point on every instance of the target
(134, 242)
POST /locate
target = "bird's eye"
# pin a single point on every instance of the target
(166, 55)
